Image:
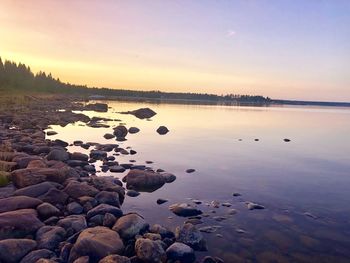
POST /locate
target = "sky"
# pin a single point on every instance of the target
(288, 49)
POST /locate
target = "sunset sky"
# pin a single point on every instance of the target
(291, 49)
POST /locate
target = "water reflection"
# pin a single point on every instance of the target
(309, 174)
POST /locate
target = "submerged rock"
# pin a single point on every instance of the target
(180, 252)
(252, 206)
(184, 210)
(191, 236)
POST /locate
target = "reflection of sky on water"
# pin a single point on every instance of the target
(308, 174)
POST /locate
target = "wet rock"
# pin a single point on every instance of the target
(132, 193)
(46, 210)
(252, 206)
(142, 113)
(115, 259)
(143, 180)
(208, 229)
(215, 204)
(49, 237)
(120, 131)
(79, 156)
(19, 223)
(149, 251)
(76, 189)
(117, 169)
(133, 130)
(179, 252)
(98, 107)
(169, 178)
(226, 204)
(191, 170)
(194, 221)
(232, 211)
(164, 232)
(98, 154)
(108, 136)
(73, 224)
(184, 210)
(18, 202)
(51, 133)
(90, 168)
(13, 250)
(97, 243)
(130, 225)
(58, 155)
(161, 201)
(191, 236)
(110, 198)
(102, 209)
(74, 208)
(162, 130)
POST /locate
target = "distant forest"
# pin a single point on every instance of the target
(19, 77)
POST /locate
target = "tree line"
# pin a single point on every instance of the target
(19, 77)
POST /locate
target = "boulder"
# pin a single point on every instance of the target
(19, 223)
(98, 107)
(74, 208)
(58, 155)
(142, 113)
(146, 181)
(35, 255)
(120, 131)
(130, 225)
(184, 210)
(97, 243)
(31, 176)
(76, 189)
(179, 252)
(191, 236)
(36, 190)
(79, 156)
(13, 250)
(49, 237)
(18, 202)
(110, 198)
(162, 130)
(133, 130)
(115, 259)
(73, 224)
(55, 197)
(149, 251)
(102, 209)
(46, 210)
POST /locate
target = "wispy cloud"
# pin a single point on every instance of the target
(231, 33)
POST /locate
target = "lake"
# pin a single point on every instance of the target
(303, 184)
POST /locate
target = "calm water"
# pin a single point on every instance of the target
(309, 174)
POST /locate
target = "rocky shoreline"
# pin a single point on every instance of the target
(53, 207)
